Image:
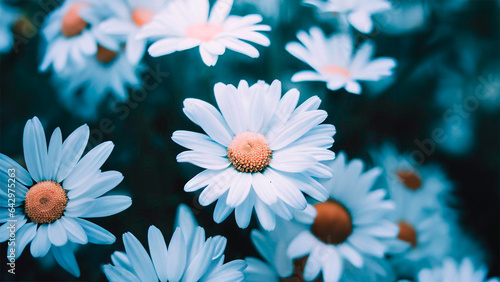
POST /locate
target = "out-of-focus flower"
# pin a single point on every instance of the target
(351, 226)
(358, 12)
(8, 17)
(135, 14)
(420, 195)
(189, 257)
(185, 24)
(453, 271)
(404, 17)
(272, 245)
(57, 192)
(261, 151)
(335, 63)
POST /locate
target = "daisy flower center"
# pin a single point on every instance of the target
(336, 70)
(142, 16)
(72, 23)
(45, 202)
(333, 223)
(410, 179)
(407, 233)
(105, 55)
(249, 152)
(204, 32)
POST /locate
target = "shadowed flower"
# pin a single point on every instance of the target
(8, 18)
(357, 12)
(261, 151)
(351, 226)
(185, 24)
(189, 257)
(451, 271)
(335, 63)
(57, 192)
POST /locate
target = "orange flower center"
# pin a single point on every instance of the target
(407, 233)
(105, 55)
(72, 23)
(410, 179)
(204, 32)
(142, 16)
(333, 223)
(336, 70)
(249, 152)
(45, 202)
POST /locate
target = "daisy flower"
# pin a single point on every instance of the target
(7, 20)
(421, 213)
(335, 63)
(260, 151)
(358, 12)
(59, 189)
(185, 24)
(189, 256)
(127, 24)
(453, 271)
(351, 226)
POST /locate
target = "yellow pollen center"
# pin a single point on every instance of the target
(407, 233)
(249, 152)
(204, 32)
(410, 179)
(72, 23)
(45, 202)
(333, 223)
(336, 70)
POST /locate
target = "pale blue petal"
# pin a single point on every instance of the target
(57, 233)
(108, 205)
(40, 244)
(139, 258)
(95, 233)
(66, 258)
(158, 250)
(177, 254)
(72, 150)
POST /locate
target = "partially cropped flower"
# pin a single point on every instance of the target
(453, 271)
(272, 245)
(261, 151)
(335, 62)
(126, 25)
(189, 256)
(420, 194)
(358, 12)
(50, 201)
(350, 228)
(8, 17)
(185, 24)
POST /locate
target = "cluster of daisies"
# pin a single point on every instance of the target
(321, 216)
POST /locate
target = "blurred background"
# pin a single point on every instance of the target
(447, 78)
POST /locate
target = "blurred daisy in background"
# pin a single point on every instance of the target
(8, 17)
(450, 270)
(58, 190)
(186, 24)
(335, 62)
(272, 245)
(260, 151)
(358, 13)
(350, 228)
(136, 13)
(421, 194)
(190, 256)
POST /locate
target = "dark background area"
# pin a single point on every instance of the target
(405, 112)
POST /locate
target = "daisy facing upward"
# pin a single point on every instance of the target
(186, 24)
(335, 62)
(57, 192)
(260, 151)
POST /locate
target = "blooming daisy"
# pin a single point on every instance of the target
(260, 151)
(51, 199)
(418, 194)
(189, 257)
(334, 61)
(185, 24)
(135, 14)
(358, 12)
(351, 226)
(8, 18)
(451, 271)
